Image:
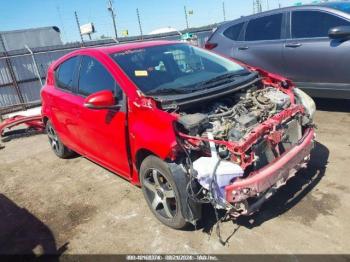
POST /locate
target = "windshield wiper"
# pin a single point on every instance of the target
(218, 80)
(221, 79)
(167, 91)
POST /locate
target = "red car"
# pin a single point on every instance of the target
(187, 125)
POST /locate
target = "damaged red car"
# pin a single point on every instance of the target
(187, 125)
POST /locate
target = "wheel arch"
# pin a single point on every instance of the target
(45, 119)
(141, 155)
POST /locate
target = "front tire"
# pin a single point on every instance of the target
(161, 192)
(56, 145)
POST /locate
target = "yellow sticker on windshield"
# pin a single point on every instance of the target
(141, 73)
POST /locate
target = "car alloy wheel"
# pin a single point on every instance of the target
(53, 139)
(160, 193)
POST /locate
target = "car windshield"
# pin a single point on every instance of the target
(176, 68)
(344, 7)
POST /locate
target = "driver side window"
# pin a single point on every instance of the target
(94, 77)
(310, 24)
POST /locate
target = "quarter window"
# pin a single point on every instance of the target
(308, 24)
(233, 31)
(264, 28)
(64, 74)
(94, 77)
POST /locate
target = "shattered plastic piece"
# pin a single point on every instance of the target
(31, 121)
(224, 171)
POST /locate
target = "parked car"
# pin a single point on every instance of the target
(187, 125)
(308, 44)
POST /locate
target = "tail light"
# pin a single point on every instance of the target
(210, 46)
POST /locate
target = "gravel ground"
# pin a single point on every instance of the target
(75, 206)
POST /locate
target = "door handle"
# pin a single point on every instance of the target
(243, 48)
(293, 45)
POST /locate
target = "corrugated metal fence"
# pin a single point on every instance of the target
(20, 69)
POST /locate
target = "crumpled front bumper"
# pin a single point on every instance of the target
(273, 175)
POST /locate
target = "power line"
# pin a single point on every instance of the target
(61, 21)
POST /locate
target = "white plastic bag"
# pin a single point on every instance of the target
(225, 171)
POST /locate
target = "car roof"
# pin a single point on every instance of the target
(321, 6)
(113, 49)
(128, 46)
(331, 4)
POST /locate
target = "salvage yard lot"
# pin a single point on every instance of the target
(75, 206)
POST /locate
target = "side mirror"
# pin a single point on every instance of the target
(339, 32)
(101, 100)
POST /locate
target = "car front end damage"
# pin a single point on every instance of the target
(238, 149)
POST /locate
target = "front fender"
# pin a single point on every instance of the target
(150, 129)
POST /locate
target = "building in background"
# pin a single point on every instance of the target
(33, 38)
(164, 30)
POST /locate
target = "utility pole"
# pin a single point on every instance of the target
(260, 6)
(78, 24)
(110, 9)
(258, 3)
(186, 17)
(257, 6)
(139, 20)
(61, 21)
(223, 10)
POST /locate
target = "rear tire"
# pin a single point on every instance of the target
(56, 145)
(161, 192)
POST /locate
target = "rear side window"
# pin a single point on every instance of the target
(65, 73)
(94, 77)
(308, 24)
(233, 31)
(264, 28)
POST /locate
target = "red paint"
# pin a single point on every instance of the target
(30, 121)
(267, 176)
(101, 135)
(238, 149)
(210, 46)
(100, 99)
(105, 136)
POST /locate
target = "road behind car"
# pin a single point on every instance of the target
(82, 208)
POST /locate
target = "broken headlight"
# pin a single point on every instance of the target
(307, 102)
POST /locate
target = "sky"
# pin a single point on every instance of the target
(21, 14)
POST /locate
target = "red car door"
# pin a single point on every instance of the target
(64, 102)
(102, 131)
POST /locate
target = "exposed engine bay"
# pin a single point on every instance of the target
(232, 140)
(231, 118)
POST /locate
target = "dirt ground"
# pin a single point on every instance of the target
(75, 206)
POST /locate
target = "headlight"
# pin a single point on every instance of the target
(306, 101)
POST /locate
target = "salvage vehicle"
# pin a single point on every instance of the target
(308, 44)
(187, 125)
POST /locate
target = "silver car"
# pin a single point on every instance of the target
(309, 44)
